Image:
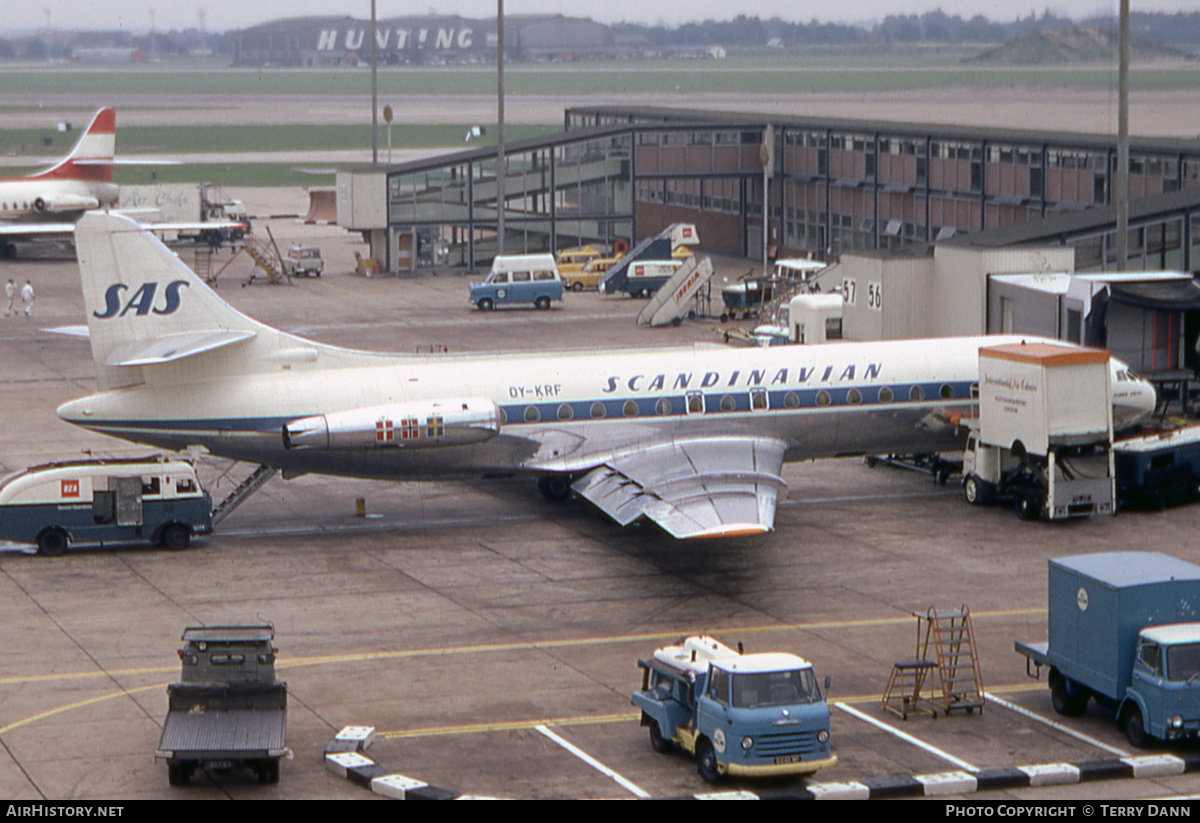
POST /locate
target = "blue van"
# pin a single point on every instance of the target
(144, 500)
(519, 278)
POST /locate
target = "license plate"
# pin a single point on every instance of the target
(791, 758)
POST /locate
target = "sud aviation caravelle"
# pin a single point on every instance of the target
(692, 438)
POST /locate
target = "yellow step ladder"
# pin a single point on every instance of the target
(953, 640)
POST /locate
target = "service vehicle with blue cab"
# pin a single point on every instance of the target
(748, 715)
(1123, 631)
(104, 501)
(519, 278)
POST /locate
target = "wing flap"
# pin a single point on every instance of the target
(698, 487)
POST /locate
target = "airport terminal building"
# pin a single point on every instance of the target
(790, 186)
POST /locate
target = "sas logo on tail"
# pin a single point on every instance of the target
(141, 302)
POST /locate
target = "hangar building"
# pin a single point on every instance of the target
(432, 39)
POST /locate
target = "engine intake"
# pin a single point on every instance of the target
(425, 424)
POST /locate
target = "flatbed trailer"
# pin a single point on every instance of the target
(228, 711)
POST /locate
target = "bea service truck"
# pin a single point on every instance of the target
(104, 501)
(750, 715)
(1123, 632)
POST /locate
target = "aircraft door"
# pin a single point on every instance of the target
(129, 499)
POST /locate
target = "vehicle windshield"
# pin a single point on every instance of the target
(775, 689)
(1183, 662)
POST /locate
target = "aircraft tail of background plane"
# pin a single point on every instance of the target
(145, 307)
(92, 157)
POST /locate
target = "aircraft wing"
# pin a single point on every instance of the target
(35, 229)
(693, 487)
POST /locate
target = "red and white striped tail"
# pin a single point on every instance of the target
(92, 157)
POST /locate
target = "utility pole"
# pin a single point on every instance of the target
(374, 92)
(500, 169)
(1122, 192)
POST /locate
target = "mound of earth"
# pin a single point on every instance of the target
(1064, 46)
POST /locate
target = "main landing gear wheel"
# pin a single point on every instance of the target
(555, 487)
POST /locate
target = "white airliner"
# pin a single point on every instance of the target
(48, 203)
(692, 438)
(41, 203)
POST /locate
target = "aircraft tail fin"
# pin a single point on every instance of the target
(92, 157)
(144, 306)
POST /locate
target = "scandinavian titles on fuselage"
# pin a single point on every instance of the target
(800, 376)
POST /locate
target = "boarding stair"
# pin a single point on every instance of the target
(952, 637)
(679, 295)
(242, 492)
(266, 256)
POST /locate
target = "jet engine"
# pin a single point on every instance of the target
(64, 203)
(423, 424)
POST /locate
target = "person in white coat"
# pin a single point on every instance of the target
(27, 297)
(10, 291)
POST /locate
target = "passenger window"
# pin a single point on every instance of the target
(185, 485)
(499, 277)
(543, 275)
(150, 485)
(520, 277)
(718, 686)
(758, 399)
(695, 402)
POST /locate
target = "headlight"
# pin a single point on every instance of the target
(823, 736)
(1175, 721)
(747, 742)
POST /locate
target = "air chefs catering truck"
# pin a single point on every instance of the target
(144, 500)
(739, 714)
(1122, 632)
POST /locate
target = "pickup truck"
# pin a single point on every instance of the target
(752, 715)
(228, 710)
(1122, 633)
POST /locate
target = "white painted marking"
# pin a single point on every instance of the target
(1155, 765)
(839, 791)
(908, 738)
(395, 786)
(1051, 774)
(341, 763)
(947, 783)
(741, 794)
(1091, 741)
(594, 763)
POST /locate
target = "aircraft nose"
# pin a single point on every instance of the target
(1143, 402)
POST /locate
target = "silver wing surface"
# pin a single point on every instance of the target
(714, 486)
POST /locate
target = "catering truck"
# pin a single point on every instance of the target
(104, 501)
(739, 714)
(1043, 438)
(1122, 632)
(227, 711)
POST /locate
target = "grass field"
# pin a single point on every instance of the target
(845, 72)
(241, 139)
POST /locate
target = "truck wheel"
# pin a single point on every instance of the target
(660, 744)
(1135, 728)
(179, 774)
(1067, 701)
(706, 762)
(542, 302)
(577, 286)
(1027, 505)
(52, 543)
(485, 304)
(175, 537)
(973, 491)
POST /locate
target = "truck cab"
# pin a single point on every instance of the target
(519, 278)
(1165, 684)
(752, 715)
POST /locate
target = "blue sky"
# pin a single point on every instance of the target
(222, 15)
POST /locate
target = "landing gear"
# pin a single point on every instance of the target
(555, 487)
